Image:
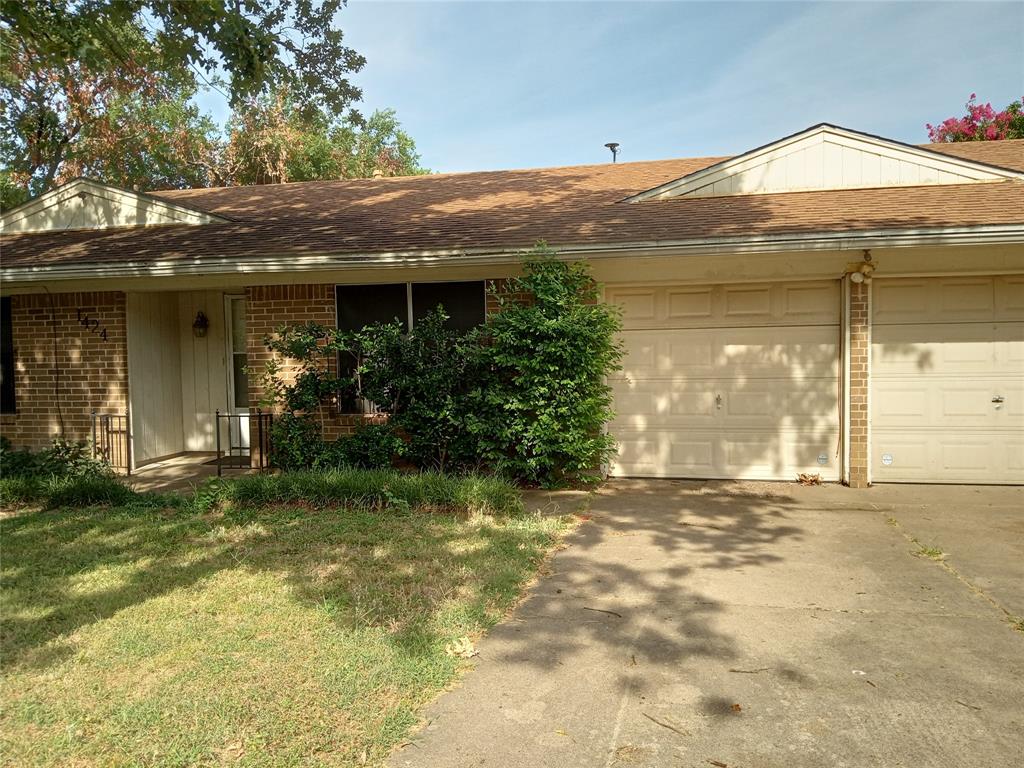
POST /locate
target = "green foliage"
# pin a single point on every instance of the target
(55, 491)
(296, 441)
(423, 380)
(96, 90)
(64, 458)
(270, 140)
(541, 415)
(525, 396)
(296, 437)
(131, 125)
(371, 446)
(260, 44)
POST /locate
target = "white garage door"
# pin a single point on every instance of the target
(947, 367)
(728, 381)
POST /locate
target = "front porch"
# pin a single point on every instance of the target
(178, 473)
(188, 386)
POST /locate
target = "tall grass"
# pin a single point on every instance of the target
(374, 489)
(378, 489)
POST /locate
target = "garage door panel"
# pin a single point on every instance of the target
(764, 403)
(942, 350)
(1009, 344)
(724, 454)
(731, 352)
(931, 300)
(937, 404)
(745, 305)
(946, 457)
(1009, 298)
(933, 349)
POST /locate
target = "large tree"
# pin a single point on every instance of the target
(980, 123)
(128, 125)
(270, 140)
(104, 90)
(259, 44)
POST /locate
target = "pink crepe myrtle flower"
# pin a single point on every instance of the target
(981, 123)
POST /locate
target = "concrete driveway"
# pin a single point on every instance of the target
(752, 625)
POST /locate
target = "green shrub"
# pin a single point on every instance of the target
(371, 446)
(63, 458)
(542, 413)
(296, 441)
(423, 380)
(525, 396)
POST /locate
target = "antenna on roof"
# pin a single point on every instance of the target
(614, 147)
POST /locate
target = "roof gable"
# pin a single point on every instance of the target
(85, 204)
(827, 157)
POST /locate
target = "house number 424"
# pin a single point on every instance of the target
(92, 324)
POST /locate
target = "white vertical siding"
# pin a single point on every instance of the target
(203, 379)
(154, 374)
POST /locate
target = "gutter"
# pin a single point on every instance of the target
(981, 235)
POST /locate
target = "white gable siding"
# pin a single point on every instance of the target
(827, 158)
(83, 204)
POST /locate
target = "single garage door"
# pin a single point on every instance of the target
(728, 381)
(947, 370)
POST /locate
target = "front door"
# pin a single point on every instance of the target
(238, 379)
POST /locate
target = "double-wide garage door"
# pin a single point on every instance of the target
(728, 381)
(947, 371)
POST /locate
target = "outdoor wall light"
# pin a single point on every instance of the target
(200, 325)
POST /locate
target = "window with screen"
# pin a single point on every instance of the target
(362, 305)
(464, 302)
(7, 404)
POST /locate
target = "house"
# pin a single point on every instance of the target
(832, 302)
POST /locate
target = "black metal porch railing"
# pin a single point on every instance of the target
(112, 440)
(238, 453)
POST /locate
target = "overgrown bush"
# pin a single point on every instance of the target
(423, 380)
(526, 395)
(371, 446)
(296, 437)
(64, 458)
(542, 411)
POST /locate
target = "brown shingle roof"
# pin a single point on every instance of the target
(505, 210)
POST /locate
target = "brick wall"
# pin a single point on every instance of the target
(860, 350)
(89, 372)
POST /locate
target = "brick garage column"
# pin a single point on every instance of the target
(859, 382)
(70, 357)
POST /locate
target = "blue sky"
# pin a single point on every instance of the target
(487, 85)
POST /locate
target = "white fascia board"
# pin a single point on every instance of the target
(970, 169)
(829, 241)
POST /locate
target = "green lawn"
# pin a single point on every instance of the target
(279, 636)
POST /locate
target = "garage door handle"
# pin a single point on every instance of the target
(998, 399)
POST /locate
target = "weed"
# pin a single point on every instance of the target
(933, 553)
